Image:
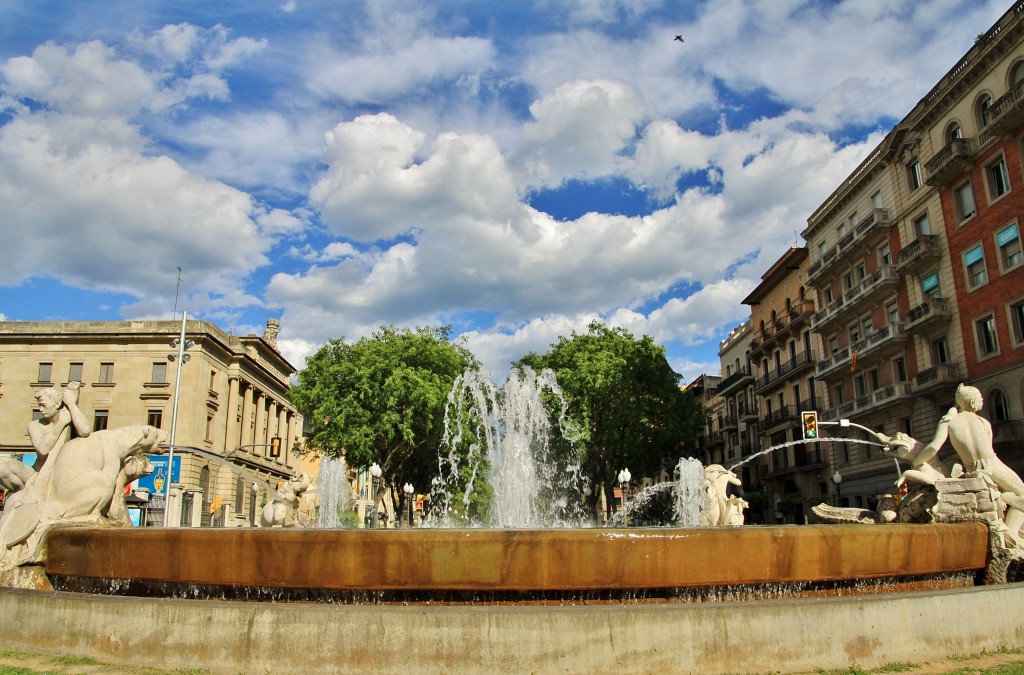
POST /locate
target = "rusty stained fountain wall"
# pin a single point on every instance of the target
(514, 560)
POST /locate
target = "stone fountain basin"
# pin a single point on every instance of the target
(514, 559)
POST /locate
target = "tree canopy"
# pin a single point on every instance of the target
(382, 399)
(626, 401)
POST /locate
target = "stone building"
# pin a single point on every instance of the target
(782, 362)
(232, 405)
(915, 260)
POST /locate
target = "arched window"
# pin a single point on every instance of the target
(1000, 406)
(953, 132)
(982, 110)
(1016, 74)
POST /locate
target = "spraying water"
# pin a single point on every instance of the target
(333, 487)
(691, 493)
(504, 438)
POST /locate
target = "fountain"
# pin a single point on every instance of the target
(515, 599)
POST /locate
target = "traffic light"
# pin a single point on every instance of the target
(275, 447)
(810, 420)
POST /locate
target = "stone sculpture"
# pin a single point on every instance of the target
(721, 509)
(283, 509)
(14, 474)
(81, 479)
(970, 434)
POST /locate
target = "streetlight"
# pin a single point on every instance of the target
(375, 472)
(837, 478)
(624, 477)
(181, 357)
(409, 490)
(252, 505)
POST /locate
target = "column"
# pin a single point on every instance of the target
(247, 418)
(231, 423)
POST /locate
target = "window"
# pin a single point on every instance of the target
(930, 285)
(854, 219)
(963, 201)
(953, 132)
(159, 373)
(45, 373)
(999, 405)
(998, 178)
(854, 333)
(859, 387)
(1008, 244)
(876, 384)
(974, 267)
(876, 200)
(892, 312)
(985, 332)
(213, 380)
(828, 296)
(922, 225)
(848, 281)
(899, 369)
(837, 394)
(983, 110)
(866, 325)
(1017, 74)
(75, 372)
(100, 420)
(209, 427)
(106, 374)
(155, 418)
(914, 180)
(885, 254)
(1017, 322)
(940, 351)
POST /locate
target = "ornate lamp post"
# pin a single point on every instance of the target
(624, 477)
(409, 490)
(375, 472)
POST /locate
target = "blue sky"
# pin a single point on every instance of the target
(513, 169)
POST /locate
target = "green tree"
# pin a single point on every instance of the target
(382, 400)
(626, 401)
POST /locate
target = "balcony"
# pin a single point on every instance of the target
(950, 162)
(1008, 432)
(800, 314)
(746, 411)
(728, 423)
(888, 339)
(736, 381)
(833, 366)
(882, 281)
(941, 377)
(862, 405)
(784, 416)
(830, 314)
(918, 254)
(822, 264)
(801, 362)
(1007, 113)
(932, 312)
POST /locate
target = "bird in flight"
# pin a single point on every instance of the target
(680, 38)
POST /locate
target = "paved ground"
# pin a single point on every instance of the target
(17, 663)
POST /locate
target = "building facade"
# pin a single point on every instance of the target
(232, 405)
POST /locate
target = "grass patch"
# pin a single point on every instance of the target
(75, 661)
(895, 667)
(852, 670)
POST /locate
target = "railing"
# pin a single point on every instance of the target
(936, 376)
(838, 359)
(924, 248)
(730, 381)
(929, 311)
(887, 334)
(949, 161)
(804, 358)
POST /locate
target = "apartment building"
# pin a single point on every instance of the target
(782, 358)
(915, 263)
(232, 405)
(740, 408)
(710, 445)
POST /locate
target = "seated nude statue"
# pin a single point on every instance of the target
(970, 434)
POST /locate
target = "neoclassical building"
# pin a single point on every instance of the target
(232, 405)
